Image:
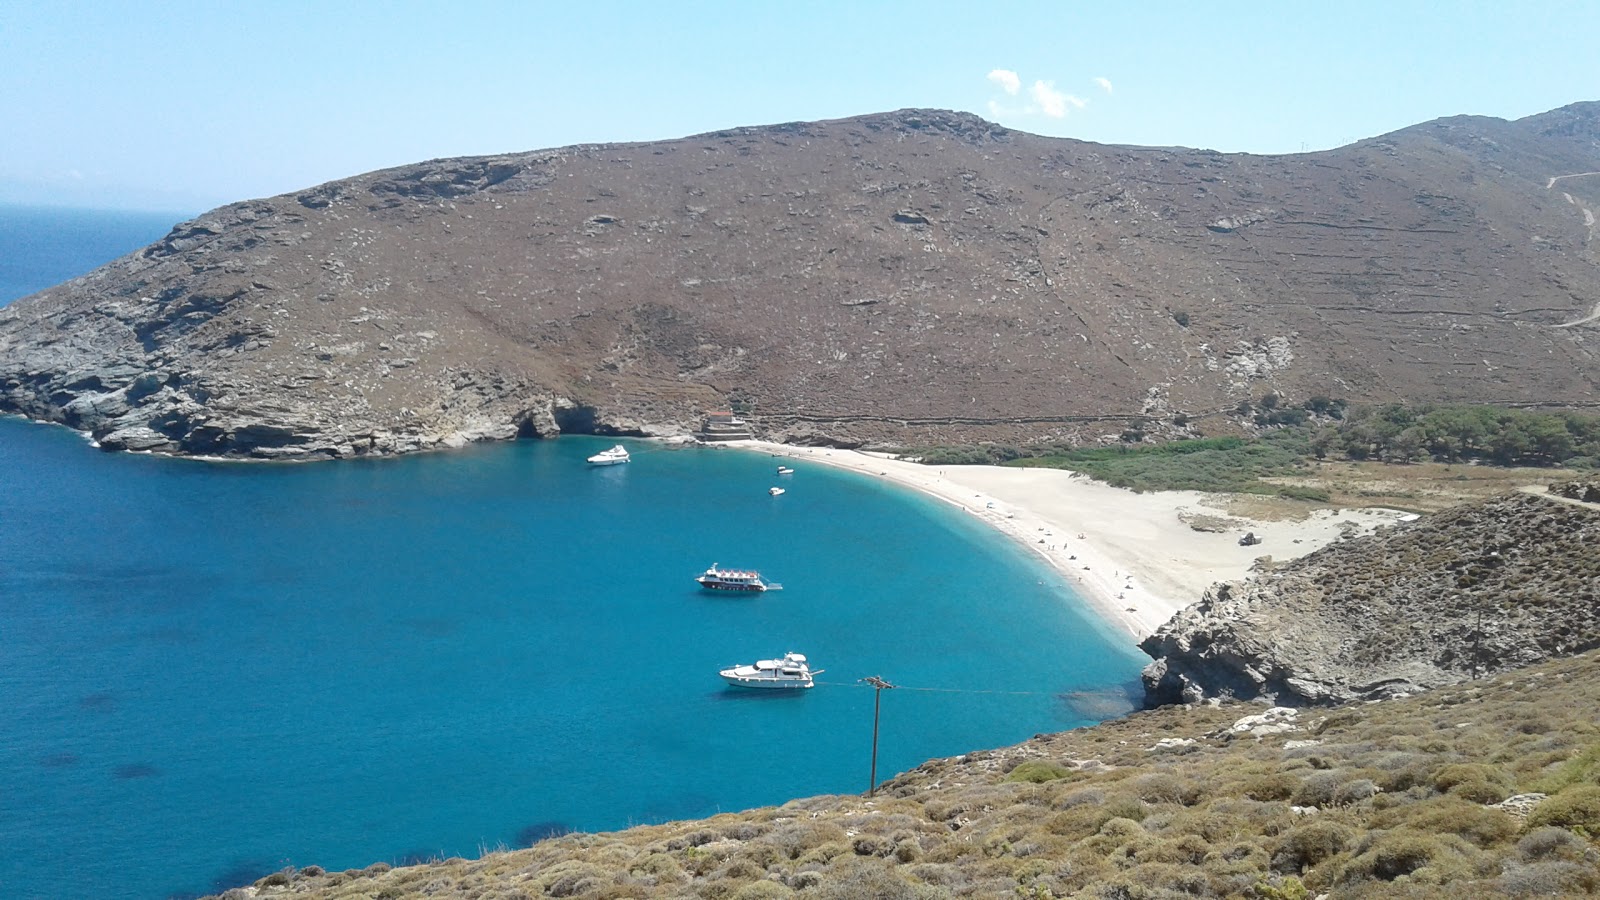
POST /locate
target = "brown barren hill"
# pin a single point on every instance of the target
(910, 277)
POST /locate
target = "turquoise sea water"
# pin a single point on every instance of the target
(211, 671)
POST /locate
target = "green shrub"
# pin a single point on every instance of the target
(1391, 854)
(1271, 786)
(762, 890)
(1584, 766)
(1479, 792)
(1577, 808)
(1038, 771)
(1481, 825)
(1121, 808)
(1309, 844)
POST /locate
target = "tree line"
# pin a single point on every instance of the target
(1450, 434)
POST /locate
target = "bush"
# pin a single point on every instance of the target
(1310, 844)
(1271, 786)
(1479, 792)
(1162, 787)
(1549, 842)
(1460, 773)
(1449, 815)
(762, 890)
(1392, 854)
(1555, 878)
(1577, 808)
(1038, 771)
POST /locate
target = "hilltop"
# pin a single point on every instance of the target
(915, 277)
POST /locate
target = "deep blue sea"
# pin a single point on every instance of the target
(210, 671)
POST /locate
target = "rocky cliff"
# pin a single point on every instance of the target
(1469, 591)
(918, 276)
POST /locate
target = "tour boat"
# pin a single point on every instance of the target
(715, 579)
(790, 672)
(774, 491)
(614, 457)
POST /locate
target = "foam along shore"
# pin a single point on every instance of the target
(1135, 558)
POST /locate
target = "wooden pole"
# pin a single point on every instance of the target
(877, 700)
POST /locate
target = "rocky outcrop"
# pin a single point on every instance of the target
(1586, 491)
(911, 277)
(1469, 591)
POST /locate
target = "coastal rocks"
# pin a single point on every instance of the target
(1481, 588)
(1586, 491)
(1277, 720)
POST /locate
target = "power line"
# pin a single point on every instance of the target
(867, 682)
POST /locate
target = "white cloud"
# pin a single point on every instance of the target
(1052, 102)
(1105, 84)
(1007, 79)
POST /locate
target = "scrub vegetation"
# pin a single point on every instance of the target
(1289, 443)
(1487, 788)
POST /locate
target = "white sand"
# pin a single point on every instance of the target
(1130, 555)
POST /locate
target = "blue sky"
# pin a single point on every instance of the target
(183, 105)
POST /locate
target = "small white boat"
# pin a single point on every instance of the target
(785, 470)
(793, 671)
(774, 491)
(616, 456)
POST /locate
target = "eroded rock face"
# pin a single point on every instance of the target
(1473, 590)
(910, 277)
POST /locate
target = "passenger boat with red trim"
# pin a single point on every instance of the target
(719, 579)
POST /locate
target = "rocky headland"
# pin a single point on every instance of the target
(1457, 595)
(911, 277)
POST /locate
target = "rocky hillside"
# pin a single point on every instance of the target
(1475, 589)
(1487, 789)
(917, 277)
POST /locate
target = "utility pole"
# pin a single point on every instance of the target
(877, 700)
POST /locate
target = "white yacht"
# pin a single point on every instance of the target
(790, 672)
(785, 470)
(774, 491)
(616, 456)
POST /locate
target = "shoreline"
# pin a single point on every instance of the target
(1135, 559)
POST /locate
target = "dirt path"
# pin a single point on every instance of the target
(1538, 491)
(1589, 223)
(1555, 178)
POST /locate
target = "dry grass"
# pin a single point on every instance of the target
(1419, 487)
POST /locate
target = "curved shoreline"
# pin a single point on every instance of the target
(1131, 556)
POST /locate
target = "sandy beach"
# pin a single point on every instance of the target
(1134, 557)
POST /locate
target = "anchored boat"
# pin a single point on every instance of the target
(616, 456)
(718, 579)
(793, 671)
